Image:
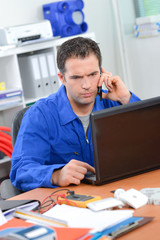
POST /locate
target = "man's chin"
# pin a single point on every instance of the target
(87, 101)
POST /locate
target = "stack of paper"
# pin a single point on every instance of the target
(9, 98)
(86, 218)
(2, 218)
(8, 206)
(147, 26)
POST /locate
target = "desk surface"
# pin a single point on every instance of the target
(151, 179)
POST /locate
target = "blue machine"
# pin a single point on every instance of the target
(66, 17)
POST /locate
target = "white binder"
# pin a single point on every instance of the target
(31, 76)
(47, 87)
(52, 72)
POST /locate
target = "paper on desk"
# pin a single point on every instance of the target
(28, 207)
(2, 218)
(86, 218)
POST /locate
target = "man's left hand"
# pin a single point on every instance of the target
(117, 90)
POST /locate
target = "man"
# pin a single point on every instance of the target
(54, 144)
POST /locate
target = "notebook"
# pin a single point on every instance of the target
(126, 141)
(8, 206)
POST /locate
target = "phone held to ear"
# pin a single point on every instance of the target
(100, 88)
(100, 92)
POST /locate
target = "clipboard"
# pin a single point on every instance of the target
(124, 227)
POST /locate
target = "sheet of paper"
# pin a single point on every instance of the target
(2, 218)
(28, 207)
(86, 218)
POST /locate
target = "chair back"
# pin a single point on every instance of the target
(16, 123)
(7, 190)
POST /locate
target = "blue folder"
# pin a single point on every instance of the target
(122, 228)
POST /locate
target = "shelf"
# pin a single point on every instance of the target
(24, 67)
(38, 45)
(7, 52)
(10, 105)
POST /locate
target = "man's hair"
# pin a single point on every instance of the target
(79, 47)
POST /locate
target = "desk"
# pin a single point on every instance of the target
(151, 179)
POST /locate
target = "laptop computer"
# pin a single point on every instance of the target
(126, 140)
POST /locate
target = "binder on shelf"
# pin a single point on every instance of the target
(47, 87)
(10, 93)
(38, 73)
(31, 76)
(10, 98)
(52, 72)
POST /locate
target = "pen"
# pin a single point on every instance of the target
(96, 236)
(27, 215)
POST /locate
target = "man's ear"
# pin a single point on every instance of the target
(61, 77)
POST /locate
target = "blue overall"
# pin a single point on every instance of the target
(50, 136)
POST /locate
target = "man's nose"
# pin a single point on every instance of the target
(86, 84)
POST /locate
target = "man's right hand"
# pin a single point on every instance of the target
(71, 173)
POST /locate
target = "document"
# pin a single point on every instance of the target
(86, 218)
(8, 206)
(2, 218)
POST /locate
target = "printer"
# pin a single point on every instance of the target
(27, 32)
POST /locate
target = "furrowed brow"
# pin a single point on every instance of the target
(75, 76)
(92, 73)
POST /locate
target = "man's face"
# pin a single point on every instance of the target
(81, 79)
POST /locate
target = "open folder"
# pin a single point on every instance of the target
(8, 206)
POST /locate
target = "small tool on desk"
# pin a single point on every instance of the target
(77, 200)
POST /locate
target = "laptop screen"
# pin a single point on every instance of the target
(126, 139)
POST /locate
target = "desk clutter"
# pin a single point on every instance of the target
(83, 217)
(153, 195)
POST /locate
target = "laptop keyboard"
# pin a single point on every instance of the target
(91, 176)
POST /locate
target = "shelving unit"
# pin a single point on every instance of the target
(11, 75)
(10, 69)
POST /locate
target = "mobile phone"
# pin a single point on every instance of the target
(100, 88)
(100, 92)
